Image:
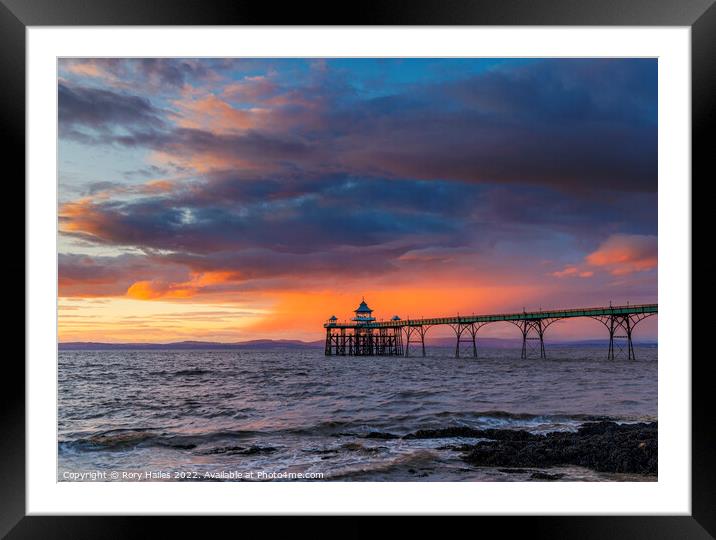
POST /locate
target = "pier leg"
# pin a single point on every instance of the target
(409, 332)
(396, 338)
(630, 345)
(611, 338)
(616, 323)
(534, 326)
(459, 330)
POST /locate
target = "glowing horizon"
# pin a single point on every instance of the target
(237, 199)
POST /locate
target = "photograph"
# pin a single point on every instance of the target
(357, 269)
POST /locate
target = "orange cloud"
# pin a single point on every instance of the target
(79, 216)
(620, 254)
(155, 289)
(203, 162)
(151, 290)
(251, 89)
(86, 69)
(624, 254)
(567, 271)
(213, 114)
(572, 271)
(156, 186)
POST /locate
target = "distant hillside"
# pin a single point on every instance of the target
(191, 345)
(266, 344)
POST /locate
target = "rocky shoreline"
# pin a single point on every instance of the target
(602, 446)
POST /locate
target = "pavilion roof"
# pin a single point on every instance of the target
(363, 308)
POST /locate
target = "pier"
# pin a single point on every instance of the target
(363, 335)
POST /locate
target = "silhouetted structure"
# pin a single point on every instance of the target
(363, 335)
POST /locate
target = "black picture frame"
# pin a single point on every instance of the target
(17, 15)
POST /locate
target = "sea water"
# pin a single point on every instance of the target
(299, 415)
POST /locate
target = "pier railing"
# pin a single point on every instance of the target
(518, 316)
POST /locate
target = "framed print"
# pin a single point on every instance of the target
(428, 261)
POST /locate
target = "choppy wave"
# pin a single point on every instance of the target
(404, 463)
(118, 439)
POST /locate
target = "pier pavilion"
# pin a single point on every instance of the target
(362, 336)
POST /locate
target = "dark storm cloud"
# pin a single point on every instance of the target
(244, 270)
(555, 123)
(260, 263)
(184, 223)
(352, 193)
(268, 148)
(154, 74)
(582, 215)
(108, 276)
(252, 144)
(562, 91)
(99, 108)
(247, 224)
(171, 71)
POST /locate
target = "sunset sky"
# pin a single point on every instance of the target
(237, 199)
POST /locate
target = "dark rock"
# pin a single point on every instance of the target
(323, 451)
(225, 450)
(183, 446)
(601, 446)
(176, 444)
(233, 450)
(381, 435)
(254, 450)
(545, 476)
